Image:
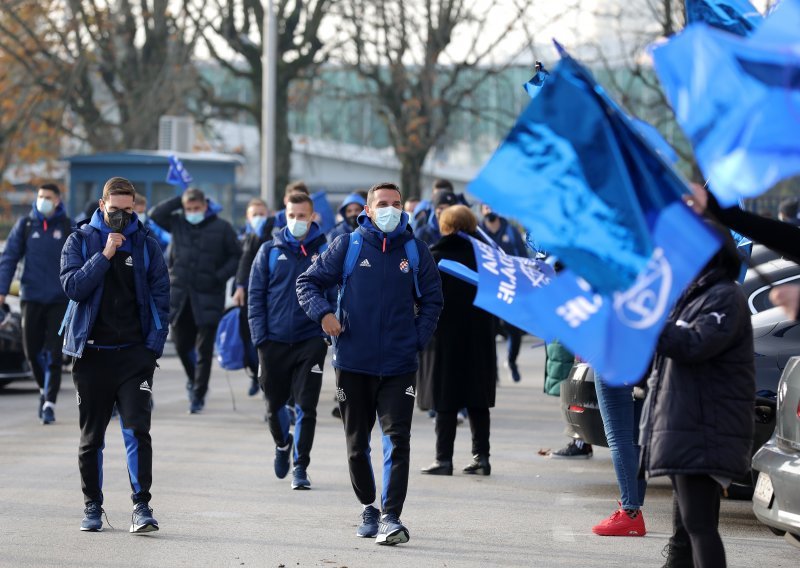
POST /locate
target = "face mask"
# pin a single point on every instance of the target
(491, 217)
(44, 206)
(118, 220)
(195, 218)
(257, 222)
(297, 228)
(142, 217)
(352, 221)
(387, 218)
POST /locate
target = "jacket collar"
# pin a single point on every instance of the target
(377, 237)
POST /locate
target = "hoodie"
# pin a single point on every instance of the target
(343, 227)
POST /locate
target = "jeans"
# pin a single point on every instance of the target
(621, 414)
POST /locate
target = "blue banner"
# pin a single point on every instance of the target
(738, 101)
(177, 174)
(327, 218)
(615, 333)
(537, 81)
(733, 16)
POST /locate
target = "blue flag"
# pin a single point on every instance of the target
(578, 174)
(615, 333)
(535, 83)
(327, 218)
(656, 141)
(738, 101)
(734, 16)
(177, 174)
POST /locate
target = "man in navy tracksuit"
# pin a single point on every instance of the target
(115, 275)
(291, 347)
(381, 327)
(351, 208)
(39, 238)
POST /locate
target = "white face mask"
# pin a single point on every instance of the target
(296, 227)
(387, 218)
(44, 206)
(257, 221)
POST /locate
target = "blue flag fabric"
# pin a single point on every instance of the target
(656, 141)
(327, 218)
(177, 174)
(733, 16)
(578, 174)
(738, 101)
(537, 81)
(615, 333)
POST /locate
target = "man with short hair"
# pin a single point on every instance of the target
(204, 254)
(295, 186)
(389, 305)
(114, 273)
(291, 348)
(38, 239)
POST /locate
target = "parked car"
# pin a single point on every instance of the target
(758, 281)
(776, 500)
(13, 365)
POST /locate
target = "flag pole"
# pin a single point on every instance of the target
(269, 66)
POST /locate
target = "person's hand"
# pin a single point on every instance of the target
(240, 297)
(114, 241)
(2, 299)
(698, 200)
(331, 326)
(787, 297)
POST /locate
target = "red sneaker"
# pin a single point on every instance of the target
(620, 523)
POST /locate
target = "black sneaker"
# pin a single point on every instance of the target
(391, 531)
(282, 455)
(368, 527)
(572, 451)
(300, 478)
(254, 387)
(480, 466)
(512, 367)
(439, 468)
(93, 517)
(197, 406)
(142, 520)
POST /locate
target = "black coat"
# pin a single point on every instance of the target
(459, 367)
(202, 258)
(699, 414)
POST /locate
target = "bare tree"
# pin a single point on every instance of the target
(240, 24)
(117, 66)
(422, 60)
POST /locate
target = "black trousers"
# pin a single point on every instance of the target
(391, 399)
(446, 425)
(103, 377)
(293, 370)
(42, 345)
(244, 330)
(195, 347)
(695, 519)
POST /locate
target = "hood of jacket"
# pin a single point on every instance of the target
(349, 200)
(371, 232)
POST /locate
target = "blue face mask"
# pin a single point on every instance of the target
(387, 218)
(195, 218)
(297, 228)
(44, 206)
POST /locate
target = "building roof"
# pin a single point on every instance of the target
(144, 157)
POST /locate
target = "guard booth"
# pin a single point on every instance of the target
(213, 173)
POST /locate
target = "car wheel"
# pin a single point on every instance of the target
(777, 532)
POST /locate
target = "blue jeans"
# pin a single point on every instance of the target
(621, 414)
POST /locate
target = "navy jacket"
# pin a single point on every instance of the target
(272, 307)
(343, 227)
(382, 330)
(428, 232)
(42, 251)
(82, 281)
(511, 244)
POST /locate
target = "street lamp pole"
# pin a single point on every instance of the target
(269, 67)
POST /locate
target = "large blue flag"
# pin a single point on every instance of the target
(537, 81)
(738, 101)
(177, 174)
(734, 16)
(617, 333)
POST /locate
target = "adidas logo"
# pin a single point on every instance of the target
(282, 257)
(316, 369)
(410, 392)
(365, 263)
(145, 387)
(129, 261)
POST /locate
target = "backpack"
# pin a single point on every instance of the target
(66, 226)
(351, 257)
(228, 341)
(73, 304)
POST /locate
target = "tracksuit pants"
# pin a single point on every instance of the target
(292, 370)
(103, 377)
(195, 346)
(42, 345)
(391, 399)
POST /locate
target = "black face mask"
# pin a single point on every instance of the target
(491, 217)
(352, 221)
(118, 220)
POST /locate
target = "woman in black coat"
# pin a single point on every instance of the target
(463, 370)
(698, 417)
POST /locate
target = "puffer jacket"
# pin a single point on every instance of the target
(557, 366)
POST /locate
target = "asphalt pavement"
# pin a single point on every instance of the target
(219, 504)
